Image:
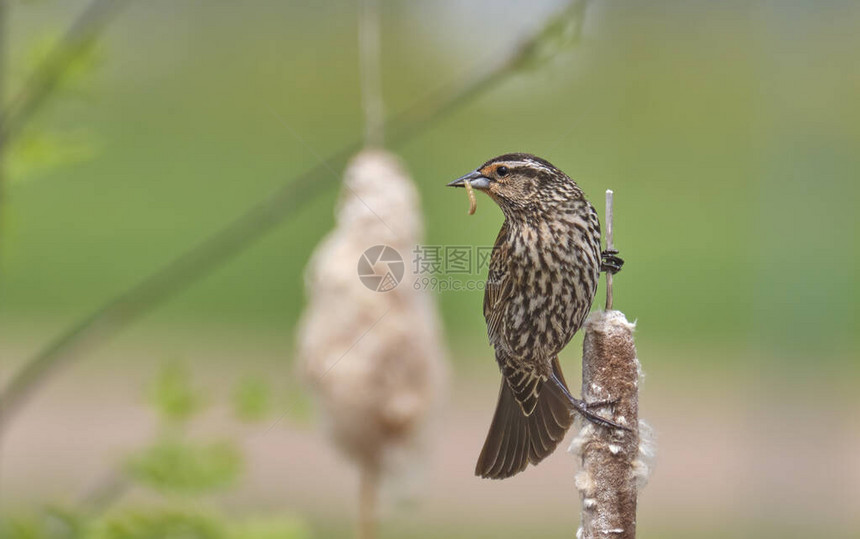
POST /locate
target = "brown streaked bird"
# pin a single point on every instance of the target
(542, 280)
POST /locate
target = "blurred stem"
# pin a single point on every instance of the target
(368, 494)
(21, 108)
(3, 48)
(235, 237)
(45, 78)
(109, 490)
(116, 483)
(371, 76)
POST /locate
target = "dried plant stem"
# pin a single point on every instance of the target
(607, 480)
(610, 244)
(368, 498)
(371, 76)
(235, 237)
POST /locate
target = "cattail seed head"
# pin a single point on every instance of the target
(373, 359)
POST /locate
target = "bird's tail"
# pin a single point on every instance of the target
(515, 439)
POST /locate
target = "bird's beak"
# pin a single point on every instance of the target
(478, 181)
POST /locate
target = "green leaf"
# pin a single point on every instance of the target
(78, 63)
(173, 395)
(32, 154)
(50, 523)
(270, 528)
(252, 399)
(159, 524)
(186, 467)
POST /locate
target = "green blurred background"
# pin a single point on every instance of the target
(730, 132)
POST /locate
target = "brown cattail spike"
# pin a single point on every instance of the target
(614, 463)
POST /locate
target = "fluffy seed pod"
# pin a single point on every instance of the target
(369, 343)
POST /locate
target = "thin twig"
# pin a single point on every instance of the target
(3, 61)
(109, 490)
(80, 35)
(195, 263)
(610, 245)
(45, 78)
(235, 237)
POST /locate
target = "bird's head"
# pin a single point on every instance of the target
(521, 183)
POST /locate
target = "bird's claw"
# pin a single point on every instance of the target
(593, 405)
(585, 409)
(609, 262)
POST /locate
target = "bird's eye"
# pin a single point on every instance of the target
(502, 171)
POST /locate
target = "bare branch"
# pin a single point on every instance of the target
(44, 79)
(80, 35)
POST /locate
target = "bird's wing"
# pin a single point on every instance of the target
(523, 377)
(498, 289)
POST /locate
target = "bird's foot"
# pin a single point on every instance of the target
(593, 405)
(585, 409)
(609, 262)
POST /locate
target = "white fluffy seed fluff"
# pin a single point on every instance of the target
(373, 359)
(644, 462)
(584, 483)
(582, 437)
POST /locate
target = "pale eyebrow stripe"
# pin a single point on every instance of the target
(530, 162)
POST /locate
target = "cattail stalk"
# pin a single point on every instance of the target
(607, 481)
(369, 345)
(614, 462)
(368, 498)
(371, 76)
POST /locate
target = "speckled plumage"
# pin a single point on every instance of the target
(542, 279)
